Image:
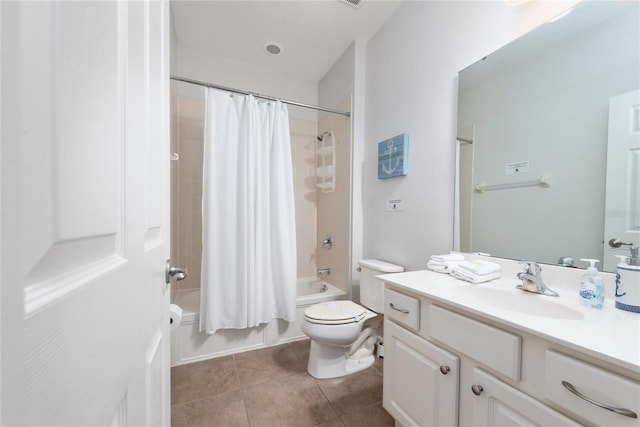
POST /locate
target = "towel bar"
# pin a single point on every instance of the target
(544, 182)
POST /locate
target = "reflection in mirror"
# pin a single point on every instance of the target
(539, 108)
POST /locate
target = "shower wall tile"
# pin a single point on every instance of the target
(191, 107)
(190, 129)
(334, 209)
(196, 223)
(306, 253)
(190, 149)
(306, 229)
(196, 193)
(303, 135)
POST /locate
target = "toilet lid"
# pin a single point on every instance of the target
(335, 312)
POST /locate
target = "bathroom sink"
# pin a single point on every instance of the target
(521, 302)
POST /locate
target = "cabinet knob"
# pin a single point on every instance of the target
(477, 389)
(445, 369)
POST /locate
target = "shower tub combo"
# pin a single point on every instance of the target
(188, 344)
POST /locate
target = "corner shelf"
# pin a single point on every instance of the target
(325, 163)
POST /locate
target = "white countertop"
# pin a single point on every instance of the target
(609, 334)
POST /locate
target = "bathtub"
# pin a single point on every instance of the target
(189, 345)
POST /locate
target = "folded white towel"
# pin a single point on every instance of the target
(479, 267)
(438, 267)
(448, 257)
(474, 278)
(441, 267)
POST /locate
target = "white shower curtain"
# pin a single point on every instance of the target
(248, 217)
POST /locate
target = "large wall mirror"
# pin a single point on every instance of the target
(549, 140)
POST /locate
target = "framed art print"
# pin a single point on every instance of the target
(393, 156)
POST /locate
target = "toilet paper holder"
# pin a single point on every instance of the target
(180, 273)
(175, 316)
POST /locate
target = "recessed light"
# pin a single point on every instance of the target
(273, 48)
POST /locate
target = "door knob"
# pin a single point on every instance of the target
(477, 389)
(180, 273)
(616, 243)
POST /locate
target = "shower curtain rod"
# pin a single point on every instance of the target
(257, 95)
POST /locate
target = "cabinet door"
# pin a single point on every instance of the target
(498, 404)
(420, 380)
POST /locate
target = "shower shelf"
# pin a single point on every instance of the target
(325, 163)
(326, 186)
(325, 151)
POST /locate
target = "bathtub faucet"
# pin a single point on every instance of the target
(324, 271)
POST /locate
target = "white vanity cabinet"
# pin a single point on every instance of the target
(420, 380)
(446, 366)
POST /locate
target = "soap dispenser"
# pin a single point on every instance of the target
(628, 282)
(592, 286)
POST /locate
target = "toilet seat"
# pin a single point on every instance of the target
(335, 313)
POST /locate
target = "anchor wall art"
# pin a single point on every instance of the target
(393, 156)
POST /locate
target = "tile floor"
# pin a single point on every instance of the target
(271, 387)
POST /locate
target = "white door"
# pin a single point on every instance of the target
(84, 213)
(622, 205)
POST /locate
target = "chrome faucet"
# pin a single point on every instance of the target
(324, 271)
(532, 281)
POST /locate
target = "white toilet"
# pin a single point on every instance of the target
(343, 334)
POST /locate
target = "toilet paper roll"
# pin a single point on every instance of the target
(175, 316)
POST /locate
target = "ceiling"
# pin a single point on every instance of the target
(313, 33)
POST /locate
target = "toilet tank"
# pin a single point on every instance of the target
(371, 288)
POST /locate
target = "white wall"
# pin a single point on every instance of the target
(337, 84)
(358, 118)
(411, 86)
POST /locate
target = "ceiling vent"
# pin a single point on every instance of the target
(354, 3)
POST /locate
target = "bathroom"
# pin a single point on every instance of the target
(401, 78)
(389, 110)
(352, 212)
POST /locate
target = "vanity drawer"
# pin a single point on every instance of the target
(402, 308)
(597, 384)
(492, 347)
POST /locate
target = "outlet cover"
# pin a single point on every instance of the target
(395, 205)
(516, 167)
